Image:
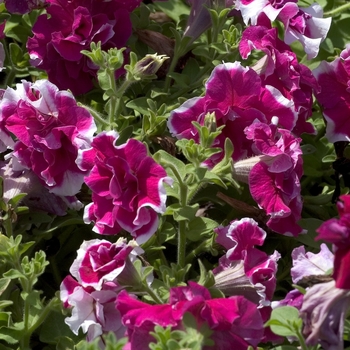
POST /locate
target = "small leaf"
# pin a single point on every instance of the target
(284, 321)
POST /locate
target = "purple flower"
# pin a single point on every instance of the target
(69, 28)
(334, 96)
(127, 187)
(24, 6)
(307, 264)
(50, 128)
(323, 313)
(259, 269)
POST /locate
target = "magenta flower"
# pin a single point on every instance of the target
(282, 70)
(69, 28)
(100, 261)
(234, 321)
(246, 99)
(337, 232)
(50, 128)
(334, 96)
(274, 182)
(127, 187)
(92, 310)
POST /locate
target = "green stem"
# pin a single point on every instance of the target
(171, 70)
(181, 244)
(301, 341)
(337, 10)
(47, 309)
(195, 252)
(152, 294)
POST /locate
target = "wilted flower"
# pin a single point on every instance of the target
(323, 313)
(127, 187)
(68, 28)
(50, 128)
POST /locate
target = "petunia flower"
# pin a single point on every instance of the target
(246, 99)
(281, 69)
(234, 321)
(305, 25)
(92, 310)
(307, 264)
(259, 269)
(70, 27)
(100, 261)
(127, 187)
(334, 97)
(24, 6)
(50, 128)
(337, 232)
(323, 312)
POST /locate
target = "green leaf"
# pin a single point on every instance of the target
(285, 321)
(199, 228)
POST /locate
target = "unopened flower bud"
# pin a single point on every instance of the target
(149, 65)
(210, 121)
(242, 168)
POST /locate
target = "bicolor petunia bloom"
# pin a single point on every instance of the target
(127, 187)
(334, 96)
(274, 181)
(93, 311)
(305, 25)
(240, 239)
(100, 261)
(49, 128)
(280, 68)
(70, 27)
(234, 321)
(246, 99)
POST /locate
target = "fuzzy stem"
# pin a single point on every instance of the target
(337, 10)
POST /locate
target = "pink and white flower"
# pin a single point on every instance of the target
(92, 310)
(305, 25)
(274, 182)
(100, 261)
(50, 128)
(280, 68)
(240, 239)
(127, 187)
(334, 96)
(246, 99)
